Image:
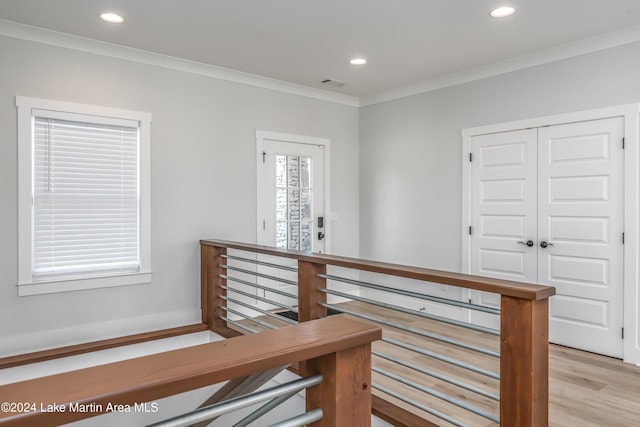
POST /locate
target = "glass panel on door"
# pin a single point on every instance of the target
(294, 195)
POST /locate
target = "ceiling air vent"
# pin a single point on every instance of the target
(331, 82)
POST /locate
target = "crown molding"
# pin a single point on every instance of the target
(83, 44)
(569, 50)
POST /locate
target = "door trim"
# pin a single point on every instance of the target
(631, 270)
(261, 136)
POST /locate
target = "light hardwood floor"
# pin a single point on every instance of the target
(585, 389)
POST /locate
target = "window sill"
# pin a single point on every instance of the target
(82, 283)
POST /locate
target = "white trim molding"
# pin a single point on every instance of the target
(569, 50)
(82, 283)
(631, 114)
(581, 47)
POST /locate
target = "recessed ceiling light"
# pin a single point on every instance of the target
(502, 12)
(358, 61)
(113, 18)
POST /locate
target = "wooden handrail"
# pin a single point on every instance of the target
(479, 283)
(524, 320)
(160, 375)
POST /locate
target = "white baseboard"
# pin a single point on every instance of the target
(54, 338)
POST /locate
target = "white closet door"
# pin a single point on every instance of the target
(580, 211)
(504, 202)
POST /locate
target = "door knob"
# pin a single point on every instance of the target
(528, 243)
(544, 244)
(320, 235)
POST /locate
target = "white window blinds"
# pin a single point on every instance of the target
(85, 196)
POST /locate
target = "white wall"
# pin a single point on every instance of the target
(411, 148)
(403, 159)
(203, 182)
(411, 151)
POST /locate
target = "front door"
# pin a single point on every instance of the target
(291, 203)
(291, 208)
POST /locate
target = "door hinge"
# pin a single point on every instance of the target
(623, 238)
(470, 230)
(622, 333)
(623, 142)
(264, 224)
(471, 157)
(264, 156)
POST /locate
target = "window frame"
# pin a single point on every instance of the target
(27, 285)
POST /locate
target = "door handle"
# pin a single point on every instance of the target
(528, 243)
(320, 235)
(544, 244)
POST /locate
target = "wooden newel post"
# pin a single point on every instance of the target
(345, 392)
(308, 294)
(210, 281)
(524, 362)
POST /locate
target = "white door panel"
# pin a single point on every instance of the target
(578, 270)
(568, 312)
(574, 229)
(503, 206)
(560, 187)
(504, 198)
(503, 191)
(504, 262)
(580, 213)
(503, 226)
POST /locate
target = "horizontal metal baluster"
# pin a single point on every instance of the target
(255, 261)
(418, 405)
(239, 325)
(301, 420)
(219, 409)
(259, 310)
(268, 301)
(414, 312)
(418, 295)
(266, 288)
(436, 375)
(406, 328)
(258, 321)
(255, 273)
(439, 395)
(442, 358)
(264, 409)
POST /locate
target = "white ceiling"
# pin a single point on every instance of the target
(303, 41)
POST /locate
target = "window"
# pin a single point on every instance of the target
(294, 196)
(83, 196)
